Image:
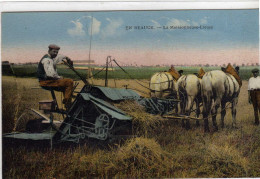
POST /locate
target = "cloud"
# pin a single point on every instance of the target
(111, 29)
(155, 23)
(177, 22)
(77, 30)
(204, 20)
(188, 22)
(95, 25)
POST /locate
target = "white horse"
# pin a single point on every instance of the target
(189, 90)
(218, 88)
(163, 85)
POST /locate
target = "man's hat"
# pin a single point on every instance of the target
(255, 70)
(53, 46)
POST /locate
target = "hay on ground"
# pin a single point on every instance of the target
(141, 154)
(143, 122)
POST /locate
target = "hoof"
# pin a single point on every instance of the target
(176, 122)
(215, 129)
(188, 124)
(256, 123)
(183, 124)
(234, 127)
(206, 130)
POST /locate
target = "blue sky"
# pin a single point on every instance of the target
(231, 29)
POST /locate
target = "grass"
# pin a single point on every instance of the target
(164, 150)
(132, 72)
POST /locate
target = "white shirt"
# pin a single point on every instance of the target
(254, 83)
(50, 66)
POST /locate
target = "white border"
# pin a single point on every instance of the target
(109, 5)
(43, 6)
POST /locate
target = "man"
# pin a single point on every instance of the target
(48, 76)
(254, 93)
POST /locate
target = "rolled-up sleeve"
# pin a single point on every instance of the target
(59, 59)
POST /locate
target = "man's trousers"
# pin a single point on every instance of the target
(255, 98)
(64, 85)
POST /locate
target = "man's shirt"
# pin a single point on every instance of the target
(50, 66)
(254, 83)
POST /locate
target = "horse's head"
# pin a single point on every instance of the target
(180, 72)
(237, 69)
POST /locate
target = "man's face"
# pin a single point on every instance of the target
(53, 53)
(256, 74)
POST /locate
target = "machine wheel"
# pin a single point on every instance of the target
(102, 126)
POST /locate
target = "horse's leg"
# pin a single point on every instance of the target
(188, 109)
(207, 101)
(223, 112)
(197, 111)
(183, 104)
(176, 108)
(183, 112)
(214, 113)
(234, 111)
(206, 121)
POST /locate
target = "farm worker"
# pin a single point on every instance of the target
(48, 76)
(254, 93)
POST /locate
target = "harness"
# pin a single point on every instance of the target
(170, 85)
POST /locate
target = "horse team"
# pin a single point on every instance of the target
(213, 89)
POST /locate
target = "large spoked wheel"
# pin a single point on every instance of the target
(102, 126)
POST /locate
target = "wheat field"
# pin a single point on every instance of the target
(164, 150)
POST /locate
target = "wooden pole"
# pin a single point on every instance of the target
(106, 71)
(181, 117)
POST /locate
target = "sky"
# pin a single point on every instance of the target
(171, 37)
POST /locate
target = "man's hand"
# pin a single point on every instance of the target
(69, 61)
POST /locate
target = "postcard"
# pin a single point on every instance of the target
(101, 89)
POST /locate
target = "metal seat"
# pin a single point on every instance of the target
(52, 89)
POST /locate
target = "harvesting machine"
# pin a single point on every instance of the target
(91, 115)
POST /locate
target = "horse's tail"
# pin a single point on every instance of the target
(206, 93)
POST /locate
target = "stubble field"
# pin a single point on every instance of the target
(168, 150)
